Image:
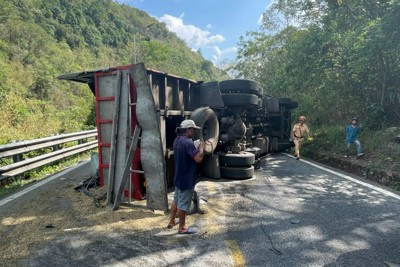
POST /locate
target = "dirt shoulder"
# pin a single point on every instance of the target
(58, 222)
(52, 214)
(380, 163)
(367, 166)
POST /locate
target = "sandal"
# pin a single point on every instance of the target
(170, 226)
(189, 231)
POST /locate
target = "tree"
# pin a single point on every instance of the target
(338, 57)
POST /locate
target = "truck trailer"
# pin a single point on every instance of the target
(139, 109)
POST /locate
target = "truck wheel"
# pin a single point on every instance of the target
(239, 86)
(239, 99)
(206, 119)
(254, 150)
(237, 173)
(241, 159)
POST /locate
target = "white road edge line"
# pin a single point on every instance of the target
(39, 184)
(383, 191)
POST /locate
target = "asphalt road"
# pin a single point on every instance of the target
(289, 214)
(294, 214)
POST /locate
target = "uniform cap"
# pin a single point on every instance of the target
(302, 118)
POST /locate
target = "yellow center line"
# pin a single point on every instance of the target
(237, 255)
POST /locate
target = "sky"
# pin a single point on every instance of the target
(213, 26)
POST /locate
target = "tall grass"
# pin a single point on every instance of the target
(326, 140)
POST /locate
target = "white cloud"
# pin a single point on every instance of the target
(195, 37)
(219, 54)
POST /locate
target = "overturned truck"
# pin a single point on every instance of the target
(138, 110)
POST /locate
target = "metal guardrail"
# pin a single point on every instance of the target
(18, 149)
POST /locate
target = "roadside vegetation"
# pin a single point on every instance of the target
(338, 59)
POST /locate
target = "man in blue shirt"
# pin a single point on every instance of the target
(352, 130)
(186, 155)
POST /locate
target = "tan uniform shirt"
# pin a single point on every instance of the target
(299, 130)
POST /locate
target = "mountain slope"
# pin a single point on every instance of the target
(40, 40)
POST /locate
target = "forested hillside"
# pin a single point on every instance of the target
(338, 58)
(40, 40)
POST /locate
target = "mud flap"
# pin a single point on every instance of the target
(151, 150)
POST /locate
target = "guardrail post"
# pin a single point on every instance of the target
(19, 157)
(55, 147)
(82, 141)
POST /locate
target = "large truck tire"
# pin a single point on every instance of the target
(240, 99)
(239, 86)
(241, 159)
(206, 119)
(254, 150)
(237, 173)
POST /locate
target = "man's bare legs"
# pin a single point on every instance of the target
(174, 209)
(181, 217)
(182, 221)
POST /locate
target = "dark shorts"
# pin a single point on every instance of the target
(183, 199)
